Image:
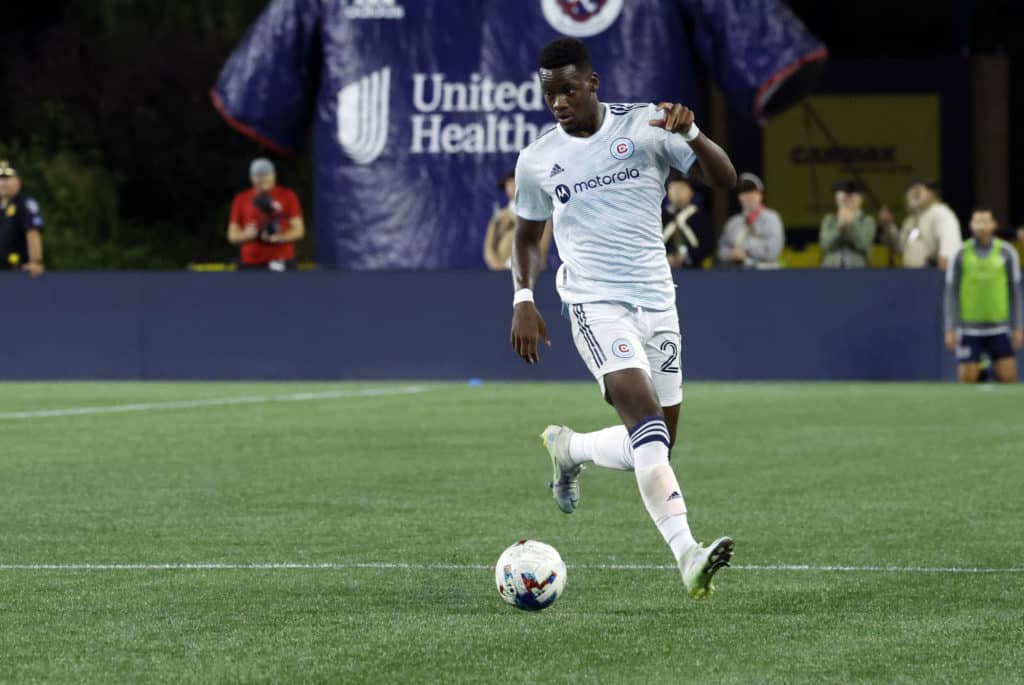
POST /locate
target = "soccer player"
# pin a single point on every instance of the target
(601, 172)
(983, 303)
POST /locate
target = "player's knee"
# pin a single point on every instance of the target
(968, 374)
(631, 393)
(1007, 376)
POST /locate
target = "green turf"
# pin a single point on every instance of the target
(843, 474)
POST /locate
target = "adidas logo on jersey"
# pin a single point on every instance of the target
(555, 170)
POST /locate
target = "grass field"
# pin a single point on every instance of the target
(408, 495)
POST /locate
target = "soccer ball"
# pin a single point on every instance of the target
(530, 575)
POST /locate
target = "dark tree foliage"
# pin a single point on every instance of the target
(105, 110)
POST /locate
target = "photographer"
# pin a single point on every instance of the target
(266, 220)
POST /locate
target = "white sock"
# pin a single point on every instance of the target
(658, 485)
(608, 448)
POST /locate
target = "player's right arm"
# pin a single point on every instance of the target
(528, 325)
(533, 208)
(951, 300)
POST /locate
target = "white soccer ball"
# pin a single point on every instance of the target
(530, 575)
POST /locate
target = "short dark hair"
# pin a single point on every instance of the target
(929, 183)
(564, 52)
(985, 210)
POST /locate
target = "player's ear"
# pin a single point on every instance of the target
(594, 81)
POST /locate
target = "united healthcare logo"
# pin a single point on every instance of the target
(477, 115)
(581, 18)
(363, 116)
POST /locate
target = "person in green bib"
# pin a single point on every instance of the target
(983, 304)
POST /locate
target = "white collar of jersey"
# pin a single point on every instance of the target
(605, 125)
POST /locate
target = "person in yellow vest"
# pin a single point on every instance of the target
(983, 310)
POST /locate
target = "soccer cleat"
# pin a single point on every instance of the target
(565, 483)
(699, 564)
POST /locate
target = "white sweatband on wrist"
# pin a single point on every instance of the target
(522, 295)
(691, 133)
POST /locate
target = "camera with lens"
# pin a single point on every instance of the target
(268, 223)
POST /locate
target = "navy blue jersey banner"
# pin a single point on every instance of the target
(417, 107)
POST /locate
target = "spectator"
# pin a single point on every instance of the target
(687, 231)
(983, 306)
(847, 234)
(754, 237)
(502, 227)
(21, 225)
(930, 234)
(266, 220)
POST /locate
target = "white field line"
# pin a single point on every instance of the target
(382, 565)
(213, 402)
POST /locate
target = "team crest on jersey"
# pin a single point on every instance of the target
(622, 148)
(581, 18)
(562, 193)
(622, 349)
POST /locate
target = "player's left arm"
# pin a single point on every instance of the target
(33, 238)
(296, 226)
(713, 165)
(34, 265)
(1016, 301)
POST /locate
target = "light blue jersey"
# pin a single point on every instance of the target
(605, 193)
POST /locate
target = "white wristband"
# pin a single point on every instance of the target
(522, 295)
(691, 133)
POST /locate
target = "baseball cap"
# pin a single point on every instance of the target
(748, 182)
(261, 167)
(6, 170)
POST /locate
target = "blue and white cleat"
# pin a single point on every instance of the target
(699, 564)
(565, 483)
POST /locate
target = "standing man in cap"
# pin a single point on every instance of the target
(753, 238)
(266, 220)
(930, 235)
(21, 225)
(847, 234)
(686, 230)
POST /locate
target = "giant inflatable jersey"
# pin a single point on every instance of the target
(419, 106)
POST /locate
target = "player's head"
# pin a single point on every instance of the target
(570, 84)
(679, 191)
(849, 194)
(262, 174)
(983, 224)
(10, 183)
(750, 191)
